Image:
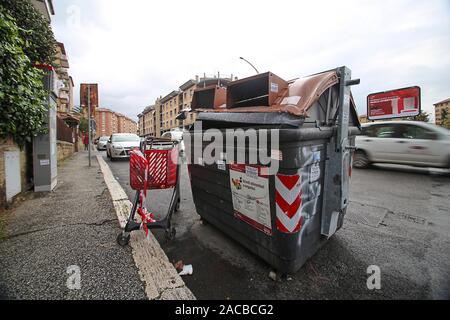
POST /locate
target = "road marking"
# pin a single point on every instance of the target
(160, 277)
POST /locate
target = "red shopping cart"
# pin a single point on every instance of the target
(154, 165)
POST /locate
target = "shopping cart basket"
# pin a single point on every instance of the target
(154, 165)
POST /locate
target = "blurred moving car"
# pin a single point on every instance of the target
(413, 143)
(119, 145)
(101, 144)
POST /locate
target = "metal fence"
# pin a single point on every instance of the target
(63, 131)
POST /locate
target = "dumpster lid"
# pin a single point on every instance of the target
(301, 95)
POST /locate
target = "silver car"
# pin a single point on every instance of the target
(120, 144)
(403, 142)
(101, 144)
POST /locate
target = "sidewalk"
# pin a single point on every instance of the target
(74, 225)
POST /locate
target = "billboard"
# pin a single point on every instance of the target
(84, 96)
(397, 103)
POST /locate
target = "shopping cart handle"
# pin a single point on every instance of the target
(353, 82)
(158, 139)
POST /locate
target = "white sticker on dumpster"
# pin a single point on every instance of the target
(221, 165)
(274, 87)
(315, 173)
(250, 190)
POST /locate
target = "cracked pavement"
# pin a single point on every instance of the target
(74, 225)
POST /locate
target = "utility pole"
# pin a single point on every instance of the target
(89, 124)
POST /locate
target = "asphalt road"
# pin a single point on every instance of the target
(398, 219)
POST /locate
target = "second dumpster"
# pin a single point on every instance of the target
(283, 194)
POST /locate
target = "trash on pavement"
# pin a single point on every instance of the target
(187, 270)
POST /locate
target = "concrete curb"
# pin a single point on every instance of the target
(161, 279)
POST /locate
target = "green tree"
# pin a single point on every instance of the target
(22, 94)
(33, 29)
(83, 125)
(445, 119)
(423, 116)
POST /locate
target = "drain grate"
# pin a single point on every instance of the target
(365, 214)
(411, 218)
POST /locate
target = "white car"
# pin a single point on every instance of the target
(175, 135)
(120, 144)
(101, 144)
(413, 143)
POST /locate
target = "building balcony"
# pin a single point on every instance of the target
(64, 95)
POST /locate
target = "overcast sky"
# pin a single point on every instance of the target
(137, 50)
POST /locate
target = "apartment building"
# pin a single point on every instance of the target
(109, 122)
(187, 90)
(64, 101)
(45, 7)
(169, 109)
(125, 124)
(71, 86)
(438, 108)
(166, 109)
(147, 122)
(141, 124)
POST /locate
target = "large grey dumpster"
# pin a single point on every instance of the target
(282, 216)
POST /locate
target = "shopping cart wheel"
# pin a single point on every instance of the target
(276, 275)
(177, 206)
(204, 221)
(123, 239)
(171, 233)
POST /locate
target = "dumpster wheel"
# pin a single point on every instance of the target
(204, 221)
(171, 233)
(276, 275)
(123, 239)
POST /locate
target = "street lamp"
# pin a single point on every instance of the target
(250, 64)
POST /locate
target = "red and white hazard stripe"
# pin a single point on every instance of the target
(288, 203)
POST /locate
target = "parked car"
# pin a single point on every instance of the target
(403, 142)
(119, 145)
(175, 135)
(101, 144)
